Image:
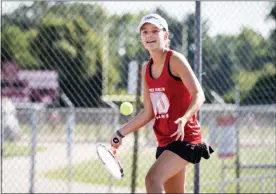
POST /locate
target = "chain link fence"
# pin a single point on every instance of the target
(66, 67)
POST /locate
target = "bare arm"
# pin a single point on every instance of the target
(181, 68)
(145, 116)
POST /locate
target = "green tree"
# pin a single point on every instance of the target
(75, 51)
(26, 17)
(124, 47)
(93, 14)
(225, 56)
(15, 46)
(252, 50)
(272, 38)
(218, 60)
(189, 33)
(263, 91)
(102, 24)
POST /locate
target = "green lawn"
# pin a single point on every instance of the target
(11, 149)
(93, 172)
(94, 132)
(84, 132)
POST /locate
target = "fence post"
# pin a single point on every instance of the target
(69, 129)
(237, 103)
(136, 135)
(198, 70)
(33, 148)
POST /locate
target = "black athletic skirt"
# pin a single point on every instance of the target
(189, 152)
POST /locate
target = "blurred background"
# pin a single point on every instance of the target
(67, 66)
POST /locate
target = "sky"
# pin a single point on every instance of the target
(227, 17)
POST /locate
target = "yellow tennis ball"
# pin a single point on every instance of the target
(126, 108)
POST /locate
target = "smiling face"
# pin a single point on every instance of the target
(153, 37)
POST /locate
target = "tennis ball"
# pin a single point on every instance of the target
(126, 108)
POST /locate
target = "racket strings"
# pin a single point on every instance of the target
(110, 161)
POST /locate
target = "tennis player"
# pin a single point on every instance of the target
(172, 96)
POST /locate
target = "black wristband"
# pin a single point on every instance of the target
(119, 134)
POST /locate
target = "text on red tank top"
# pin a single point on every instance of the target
(170, 100)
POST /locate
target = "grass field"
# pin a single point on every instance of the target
(92, 132)
(85, 132)
(93, 172)
(11, 149)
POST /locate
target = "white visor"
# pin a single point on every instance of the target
(154, 19)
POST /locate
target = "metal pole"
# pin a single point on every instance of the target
(237, 102)
(136, 135)
(198, 72)
(70, 121)
(69, 130)
(33, 148)
(105, 59)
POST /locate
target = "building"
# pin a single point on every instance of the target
(28, 85)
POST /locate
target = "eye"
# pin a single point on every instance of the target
(144, 32)
(155, 31)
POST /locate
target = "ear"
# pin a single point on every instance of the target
(166, 35)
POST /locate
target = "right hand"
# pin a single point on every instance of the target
(115, 145)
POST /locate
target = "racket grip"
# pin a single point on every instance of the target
(115, 140)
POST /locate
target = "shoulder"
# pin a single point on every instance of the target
(177, 58)
(178, 62)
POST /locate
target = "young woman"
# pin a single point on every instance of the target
(172, 96)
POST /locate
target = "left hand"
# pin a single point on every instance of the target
(180, 129)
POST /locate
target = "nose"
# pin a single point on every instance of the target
(149, 34)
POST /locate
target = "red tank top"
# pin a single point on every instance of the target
(170, 99)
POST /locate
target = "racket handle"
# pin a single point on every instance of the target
(115, 140)
(114, 151)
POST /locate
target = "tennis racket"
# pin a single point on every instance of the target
(109, 159)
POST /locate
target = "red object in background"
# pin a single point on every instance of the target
(28, 86)
(16, 90)
(9, 70)
(225, 120)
